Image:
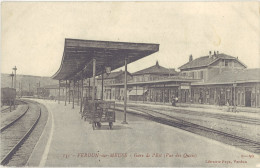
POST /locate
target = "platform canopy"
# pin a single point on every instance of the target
(78, 56)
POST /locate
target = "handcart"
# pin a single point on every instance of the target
(99, 111)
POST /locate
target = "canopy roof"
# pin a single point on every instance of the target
(78, 56)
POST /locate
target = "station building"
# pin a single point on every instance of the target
(152, 84)
(224, 80)
(214, 79)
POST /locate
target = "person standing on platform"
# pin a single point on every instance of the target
(173, 100)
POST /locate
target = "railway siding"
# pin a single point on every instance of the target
(8, 116)
(22, 156)
(20, 133)
(234, 127)
(240, 130)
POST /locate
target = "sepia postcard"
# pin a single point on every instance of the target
(130, 84)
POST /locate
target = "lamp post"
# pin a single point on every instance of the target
(125, 92)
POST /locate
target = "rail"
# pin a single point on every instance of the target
(9, 155)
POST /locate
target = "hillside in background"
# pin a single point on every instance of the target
(27, 81)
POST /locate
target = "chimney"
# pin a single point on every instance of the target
(214, 55)
(157, 63)
(210, 54)
(190, 58)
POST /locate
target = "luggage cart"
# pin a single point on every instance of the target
(99, 111)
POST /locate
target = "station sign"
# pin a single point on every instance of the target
(185, 86)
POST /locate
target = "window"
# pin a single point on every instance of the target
(201, 74)
(196, 75)
(192, 74)
(223, 62)
(226, 62)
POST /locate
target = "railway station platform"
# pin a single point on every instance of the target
(67, 141)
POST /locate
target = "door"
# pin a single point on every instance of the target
(248, 98)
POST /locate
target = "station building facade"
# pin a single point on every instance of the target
(153, 84)
(224, 80)
(215, 79)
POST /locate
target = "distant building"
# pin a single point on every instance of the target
(153, 73)
(207, 67)
(153, 84)
(239, 87)
(114, 93)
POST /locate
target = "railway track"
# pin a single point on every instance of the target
(5, 109)
(223, 137)
(14, 120)
(14, 134)
(244, 120)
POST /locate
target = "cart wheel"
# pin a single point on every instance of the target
(110, 125)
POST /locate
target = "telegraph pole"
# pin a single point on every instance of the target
(12, 76)
(15, 76)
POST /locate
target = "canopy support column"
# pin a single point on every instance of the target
(81, 95)
(66, 94)
(69, 91)
(143, 94)
(59, 93)
(89, 88)
(125, 92)
(73, 93)
(163, 93)
(94, 75)
(102, 86)
(136, 93)
(78, 93)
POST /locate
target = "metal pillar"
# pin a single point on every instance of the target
(88, 87)
(94, 75)
(102, 86)
(143, 94)
(78, 93)
(73, 92)
(81, 99)
(255, 97)
(136, 92)
(59, 93)
(125, 92)
(163, 93)
(66, 94)
(69, 90)
(21, 90)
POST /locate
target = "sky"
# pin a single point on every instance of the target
(33, 33)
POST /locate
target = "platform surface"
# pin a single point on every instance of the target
(69, 141)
